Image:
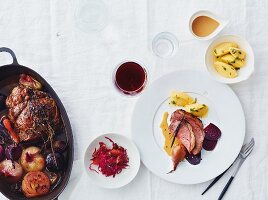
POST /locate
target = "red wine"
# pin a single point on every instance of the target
(130, 78)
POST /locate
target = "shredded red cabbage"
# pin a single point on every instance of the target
(109, 161)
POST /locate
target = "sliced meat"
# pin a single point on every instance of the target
(185, 134)
(196, 127)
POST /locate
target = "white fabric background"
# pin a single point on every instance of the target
(44, 37)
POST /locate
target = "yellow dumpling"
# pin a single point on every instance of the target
(180, 99)
(197, 109)
(237, 53)
(223, 48)
(225, 70)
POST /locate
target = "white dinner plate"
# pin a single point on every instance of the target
(121, 179)
(225, 111)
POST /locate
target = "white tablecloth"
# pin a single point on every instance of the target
(78, 65)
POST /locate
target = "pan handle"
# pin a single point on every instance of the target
(8, 50)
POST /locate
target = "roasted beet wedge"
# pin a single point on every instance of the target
(209, 145)
(193, 159)
(212, 132)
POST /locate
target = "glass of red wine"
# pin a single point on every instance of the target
(130, 78)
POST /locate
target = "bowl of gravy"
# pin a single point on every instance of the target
(204, 25)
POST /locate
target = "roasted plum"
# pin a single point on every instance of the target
(30, 82)
(2, 101)
(59, 146)
(54, 162)
(13, 152)
(2, 153)
(10, 171)
(32, 159)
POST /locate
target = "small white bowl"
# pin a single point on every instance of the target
(127, 175)
(244, 73)
(222, 24)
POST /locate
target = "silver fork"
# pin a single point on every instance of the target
(245, 151)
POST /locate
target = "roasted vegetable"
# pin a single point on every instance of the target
(59, 146)
(193, 159)
(53, 177)
(10, 171)
(54, 162)
(30, 82)
(4, 135)
(2, 101)
(13, 152)
(5, 121)
(209, 145)
(212, 132)
(2, 153)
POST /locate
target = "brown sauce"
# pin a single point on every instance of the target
(203, 26)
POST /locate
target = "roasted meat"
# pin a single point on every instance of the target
(33, 113)
(190, 133)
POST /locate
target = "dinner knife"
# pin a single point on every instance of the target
(216, 179)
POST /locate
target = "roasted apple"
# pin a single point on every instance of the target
(10, 171)
(35, 184)
(32, 159)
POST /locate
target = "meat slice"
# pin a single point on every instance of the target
(196, 127)
(185, 134)
(199, 135)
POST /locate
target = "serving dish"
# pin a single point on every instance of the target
(244, 73)
(9, 76)
(126, 175)
(147, 117)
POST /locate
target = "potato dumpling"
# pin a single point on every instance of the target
(237, 53)
(223, 48)
(197, 109)
(231, 60)
(180, 99)
(225, 70)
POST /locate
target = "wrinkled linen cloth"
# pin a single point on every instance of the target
(78, 65)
